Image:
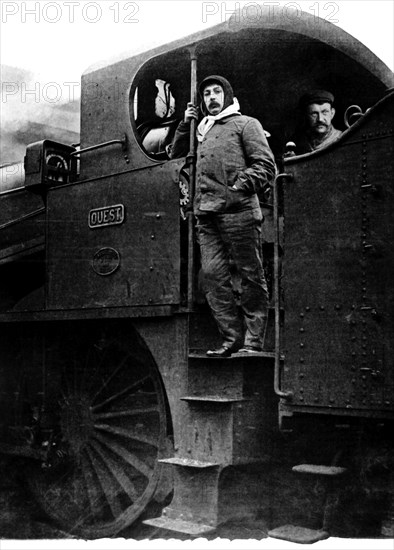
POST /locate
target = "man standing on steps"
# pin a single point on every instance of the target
(234, 163)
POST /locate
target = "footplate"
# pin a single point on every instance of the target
(300, 535)
(180, 526)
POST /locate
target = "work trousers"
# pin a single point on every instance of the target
(234, 236)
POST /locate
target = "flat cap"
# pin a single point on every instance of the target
(316, 96)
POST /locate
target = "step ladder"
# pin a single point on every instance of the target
(304, 535)
(225, 409)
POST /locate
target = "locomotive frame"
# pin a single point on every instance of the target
(107, 396)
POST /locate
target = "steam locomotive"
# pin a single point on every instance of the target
(109, 406)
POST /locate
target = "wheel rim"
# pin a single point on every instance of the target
(111, 420)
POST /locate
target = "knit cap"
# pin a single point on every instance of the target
(224, 83)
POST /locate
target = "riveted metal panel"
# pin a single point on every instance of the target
(338, 273)
(134, 260)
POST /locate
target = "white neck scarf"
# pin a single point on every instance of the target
(208, 121)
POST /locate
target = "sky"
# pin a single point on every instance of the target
(57, 40)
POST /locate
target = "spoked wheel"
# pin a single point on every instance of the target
(110, 416)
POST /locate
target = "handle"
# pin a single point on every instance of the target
(277, 389)
(122, 142)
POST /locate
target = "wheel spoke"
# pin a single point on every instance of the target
(104, 383)
(94, 360)
(75, 375)
(124, 481)
(126, 413)
(91, 483)
(67, 383)
(128, 433)
(109, 491)
(125, 454)
(120, 394)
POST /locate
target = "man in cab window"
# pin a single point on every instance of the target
(318, 111)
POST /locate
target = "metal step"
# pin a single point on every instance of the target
(212, 398)
(179, 526)
(189, 462)
(201, 354)
(318, 469)
(300, 535)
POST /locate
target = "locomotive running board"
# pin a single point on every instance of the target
(299, 535)
(179, 526)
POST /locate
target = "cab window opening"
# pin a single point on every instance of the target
(247, 61)
(154, 115)
(158, 95)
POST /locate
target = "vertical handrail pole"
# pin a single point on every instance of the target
(277, 389)
(192, 181)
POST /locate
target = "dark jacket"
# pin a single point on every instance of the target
(306, 144)
(234, 152)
